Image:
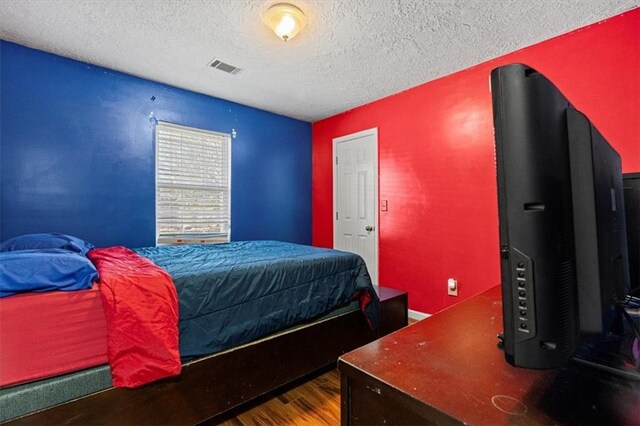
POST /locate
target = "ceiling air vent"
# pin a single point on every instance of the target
(222, 66)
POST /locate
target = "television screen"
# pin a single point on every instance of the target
(561, 220)
(631, 184)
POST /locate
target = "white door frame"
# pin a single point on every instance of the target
(369, 132)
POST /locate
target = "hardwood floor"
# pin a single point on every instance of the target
(316, 402)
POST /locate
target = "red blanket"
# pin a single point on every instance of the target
(141, 307)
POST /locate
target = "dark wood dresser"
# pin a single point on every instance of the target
(448, 369)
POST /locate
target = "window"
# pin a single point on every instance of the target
(193, 185)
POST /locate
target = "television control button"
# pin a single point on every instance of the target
(523, 304)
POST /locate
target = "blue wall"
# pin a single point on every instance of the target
(77, 154)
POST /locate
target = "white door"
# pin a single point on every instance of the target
(355, 196)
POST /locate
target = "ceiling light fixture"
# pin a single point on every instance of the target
(285, 20)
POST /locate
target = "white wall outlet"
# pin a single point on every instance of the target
(452, 287)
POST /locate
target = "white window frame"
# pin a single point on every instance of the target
(191, 238)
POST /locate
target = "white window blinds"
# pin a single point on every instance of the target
(193, 185)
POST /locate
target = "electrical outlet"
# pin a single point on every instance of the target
(452, 287)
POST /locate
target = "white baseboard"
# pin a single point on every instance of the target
(417, 315)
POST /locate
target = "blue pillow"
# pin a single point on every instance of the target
(44, 270)
(46, 241)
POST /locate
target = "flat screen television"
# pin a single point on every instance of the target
(564, 262)
(631, 183)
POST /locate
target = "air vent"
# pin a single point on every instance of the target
(222, 66)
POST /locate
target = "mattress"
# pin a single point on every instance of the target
(46, 334)
(27, 398)
(231, 294)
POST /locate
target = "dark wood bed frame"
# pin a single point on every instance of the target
(210, 386)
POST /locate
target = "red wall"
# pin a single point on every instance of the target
(437, 165)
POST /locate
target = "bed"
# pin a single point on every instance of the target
(228, 366)
(234, 293)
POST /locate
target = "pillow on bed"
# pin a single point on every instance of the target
(46, 241)
(44, 270)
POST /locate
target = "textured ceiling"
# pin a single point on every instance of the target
(351, 53)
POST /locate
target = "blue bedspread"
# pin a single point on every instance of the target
(234, 293)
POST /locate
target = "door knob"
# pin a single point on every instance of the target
(369, 228)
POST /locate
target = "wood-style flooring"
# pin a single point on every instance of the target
(316, 402)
